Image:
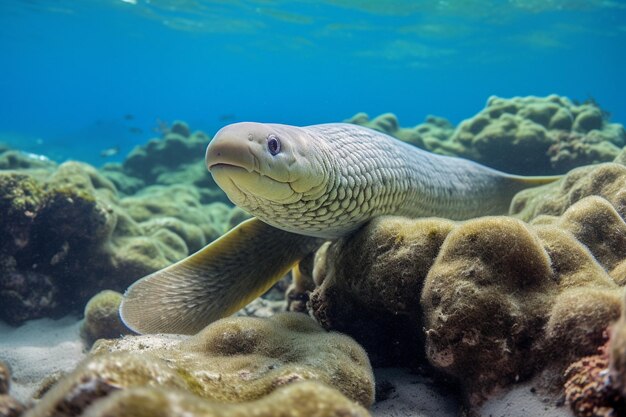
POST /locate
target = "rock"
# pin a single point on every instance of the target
(305, 398)
(435, 130)
(544, 134)
(233, 360)
(5, 378)
(102, 320)
(494, 300)
(604, 180)
(66, 233)
(10, 407)
(617, 352)
(11, 159)
(369, 285)
(522, 135)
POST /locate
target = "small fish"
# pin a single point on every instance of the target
(129, 117)
(135, 130)
(227, 117)
(109, 152)
(161, 127)
(35, 156)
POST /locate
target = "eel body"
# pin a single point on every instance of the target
(305, 185)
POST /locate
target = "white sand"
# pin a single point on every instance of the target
(416, 396)
(37, 349)
(520, 401)
(412, 396)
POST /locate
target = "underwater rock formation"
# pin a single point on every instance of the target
(499, 300)
(9, 406)
(604, 180)
(22, 160)
(231, 361)
(102, 320)
(369, 285)
(545, 134)
(589, 389)
(522, 135)
(66, 233)
(5, 378)
(617, 352)
(307, 398)
(427, 135)
(176, 158)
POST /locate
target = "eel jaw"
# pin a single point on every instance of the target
(244, 188)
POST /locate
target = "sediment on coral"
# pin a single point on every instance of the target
(233, 360)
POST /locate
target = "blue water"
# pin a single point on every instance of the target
(80, 76)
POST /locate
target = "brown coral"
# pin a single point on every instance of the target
(307, 398)
(617, 351)
(66, 234)
(546, 134)
(102, 319)
(500, 300)
(369, 283)
(233, 360)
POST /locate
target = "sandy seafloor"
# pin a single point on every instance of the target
(42, 347)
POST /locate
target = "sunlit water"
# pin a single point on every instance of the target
(81, 76)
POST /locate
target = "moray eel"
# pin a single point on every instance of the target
(305, 185)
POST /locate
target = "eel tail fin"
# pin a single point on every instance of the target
(214, 282)
(528, 182)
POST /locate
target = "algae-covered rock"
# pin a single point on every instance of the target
(595, 385)
(12, 159)
(369, 285)
(307, 398)
(5, 378)
(523, 135)
(165, 154)
(9, 406)
(175, 158)
(617, 351)
(231, 361)
(604, 180)
(494, 300)
(538, 135)
(66, 233)
(124, 183)
(427, 135)
(102, 320)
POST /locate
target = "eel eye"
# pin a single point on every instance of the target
(273, 144)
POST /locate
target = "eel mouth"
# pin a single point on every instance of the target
(224, 165)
